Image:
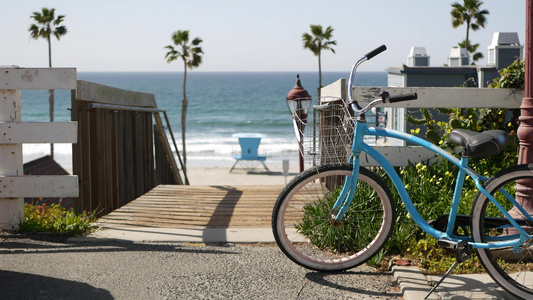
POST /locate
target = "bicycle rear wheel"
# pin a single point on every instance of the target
(305, 232)
(513, 271)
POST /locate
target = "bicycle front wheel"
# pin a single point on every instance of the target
(302, 219)
(512, 270)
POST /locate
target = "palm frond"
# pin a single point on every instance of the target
(46, 24)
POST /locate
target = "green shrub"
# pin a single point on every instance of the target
(511, 77)
(55, 219)
(437, 260)
(344, 237)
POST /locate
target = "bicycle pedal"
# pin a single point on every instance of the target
(462, 249)
(447, 244)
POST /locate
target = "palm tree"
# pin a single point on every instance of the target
(46, 26)
(190, 53)
(472, 48)
(317, 41)
(469, 13)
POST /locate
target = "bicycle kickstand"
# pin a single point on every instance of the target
(462, 252)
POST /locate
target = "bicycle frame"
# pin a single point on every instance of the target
(348, 191)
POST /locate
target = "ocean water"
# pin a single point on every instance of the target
(220, 104)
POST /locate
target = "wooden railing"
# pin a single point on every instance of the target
(428, 97)
(120, 154)
(14, 186)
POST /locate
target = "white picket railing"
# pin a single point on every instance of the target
(14, 186)
(428, 97)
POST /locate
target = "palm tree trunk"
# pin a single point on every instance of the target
(51, 97)
(184, 105)
(319, 75)
(466, 41)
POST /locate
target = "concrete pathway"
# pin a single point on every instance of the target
(413, 283)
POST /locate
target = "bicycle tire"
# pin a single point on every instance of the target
(311, 239)
(512, 271)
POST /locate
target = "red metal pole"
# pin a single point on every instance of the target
(525, 130)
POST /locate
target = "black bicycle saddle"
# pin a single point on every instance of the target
(479, 144)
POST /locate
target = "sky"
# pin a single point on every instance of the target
(244, 35)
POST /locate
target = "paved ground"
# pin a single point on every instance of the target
(119, 269)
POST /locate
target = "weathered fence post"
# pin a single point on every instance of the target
(14, 186)
(11, 209)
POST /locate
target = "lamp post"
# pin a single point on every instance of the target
(298, 101)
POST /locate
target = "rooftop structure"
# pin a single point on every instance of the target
(458, 57)
(418, 57)
(504, 49)
(457, 72)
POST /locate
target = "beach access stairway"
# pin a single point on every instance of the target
(123, 161)
(120, 139)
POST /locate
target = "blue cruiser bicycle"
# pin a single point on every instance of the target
(329, 204)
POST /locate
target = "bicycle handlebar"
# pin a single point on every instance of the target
(375, 52)
(405, 97)
(384, 96)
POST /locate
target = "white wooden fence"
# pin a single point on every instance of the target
(14, 186)
(428, 97)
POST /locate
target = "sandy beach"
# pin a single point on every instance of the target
(220, 174)
(200, 171)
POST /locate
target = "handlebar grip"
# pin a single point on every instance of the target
(404, 97)
(376, 51)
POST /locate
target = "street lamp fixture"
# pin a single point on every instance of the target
(298, 101)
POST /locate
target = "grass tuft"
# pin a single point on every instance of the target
(56, 219)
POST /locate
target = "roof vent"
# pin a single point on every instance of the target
(458, 57)
(504, 49)
(418, 57)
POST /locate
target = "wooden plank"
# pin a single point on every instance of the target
(39, 186)
(435, 97)
(399, 156)
(86, 159)
(109, 160)
(99, 184)
(159, 174)
(76, 166)
(127, 145)
(149, 157)
(38, 132)
(11, 209)
(182, 206)
(138, 155)
(117, 160)
(167, 149)
(99, 93)
(10, 154)
(335, 89)
(38, 78)
(122, 163)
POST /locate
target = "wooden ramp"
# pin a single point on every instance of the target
(186, 206)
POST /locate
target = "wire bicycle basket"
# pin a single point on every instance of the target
(324, 131)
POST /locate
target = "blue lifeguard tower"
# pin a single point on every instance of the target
(249, 151)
